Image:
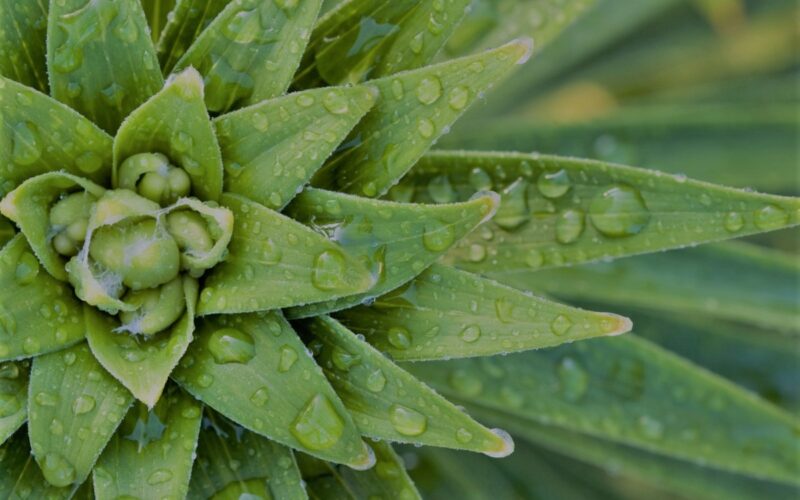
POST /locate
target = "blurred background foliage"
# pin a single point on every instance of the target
(708, 89)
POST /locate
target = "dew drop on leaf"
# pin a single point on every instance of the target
(260, 397)
(513, 211)
(458, 98)
(560, 325)
(229, 345)
(619, 211)
(159, 476)
(470, 334)
(399, 337)
(27, 144)
(770, 217)
(288, 356)
(429, 90)
(329, 270)
(554, 184)
(57, 470)
(83, 404)
(438, 236)
(406, 421)
(733, 222)
(335, 102)
(569, 226)
(318, 426)
(27, 269)
(376, 381)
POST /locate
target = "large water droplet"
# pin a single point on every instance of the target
(159, 476)
(260, 397)
(83, 404)
(513, 211)
(318, 426)
(504, 309)
(733, 222)
(438, 236)
(343, 360)
(406, 421)
(569, 226)
(399, 337)
(329, 270)
(376, 381)
(560, 325)
(429, 90)
(463, 436)
(57, 470)
(27, 269)
(573, 379)
(554, 184)
(287, 359)
(260, 121)
(770, 217)
(619, 211)
(230, 345)
(470, 333)
(335, 102)
(458, 98)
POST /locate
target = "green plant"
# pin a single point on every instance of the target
(169, 233)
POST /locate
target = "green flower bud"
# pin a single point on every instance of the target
(158, 308)
(144, 255)
(69, 218)
(152, 176)
(190, 231)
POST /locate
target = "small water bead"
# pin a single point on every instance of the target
(27, 147)
(733, 222)
(305, 100)
(57, 470)
(534, 259)
(335, 102)
(470, 334)
(27, 269)
(46, 399)
(573, 379)
(344, 360)
(376, 381)
(426, 128)
(288, 357)
(397, 89)
(477, 252)
(438, 236)
(463, 436)
(406, 421)
(260, 121)
(569, 226)
(181, 141)
(480, 180)
(619, 211)
(440, 189)
(770, 217)
(31, 345)
(329, 270)
(205, 380)
(159, 476)
(126, 30)
(504, 309)
(554, 184)
(399, 337)
(9, 371)
(560, 325)
(229, 345)
(458, 98)
(287, 5)
(318, 426)
(83, 404)
(429, 90)
(513, 211)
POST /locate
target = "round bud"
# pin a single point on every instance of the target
(158, 308)
(180, 184)
(190, 232)
(65, 245)
(153, 186)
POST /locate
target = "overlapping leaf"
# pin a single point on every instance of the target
(255, 370)
(22, 478)
(74, 409)
(270, 150)
(388, 479)
(152, 452)
(395, 241)
(23, 29)
(414, 109)
(445, 313)
(185, 22)
(13, 397)
(100, 58)
(275, 262)
(157, 12)
(388, 403)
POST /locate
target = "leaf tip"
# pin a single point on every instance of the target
(189, 82)
(366, 460)
(505, 444)
(617, 325)
(8, 206)
(525, 45)
(492, 203)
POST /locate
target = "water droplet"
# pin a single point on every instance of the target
(438, 236)
(573, 379)
(429, 90)
(287, 359)
(560, 325)
(46, 399)
(406, 421)
(27, 144)
(399, 337)
(287, 5)
(27, 269)
(470, 334)
(181, 141)
(770, 217)
(335, 102)
(458, 98)
(260, 121)
(376, 381)
(31, 345)
(9, 371)
(477, 252)
(305, 100)
(513, 211)
(504, 310)
(733, 222)
(554, 184)
(426, 128)
(243, 27)
(318, 426)
(463, 436)
(343, 360)
(534, 259)
(126, 30)
(465, 383)
(89, 162)
(83, 404)
(480, 180)
(260, 397)
(205, 380)
(619, 211)
(230, 345)
(329, 270)
(569, 226)
(57, 470)
(441, 190)
(159, 476)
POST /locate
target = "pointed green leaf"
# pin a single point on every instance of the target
(185, 23)
(29, 207)
(250, 51)
(176, 123)
(388, 403)
(272, 149)
(561, 211)
(734, 281)
(100, 58)
(142, 365)
(39, 134)
(37, 313)
(74, 409)
(366, 39)
(630, 391)
(413, 110)
(255, 370)
(13, 397)
(275, 262)
(23, 29)
(157, 12)
(397, 241)
(232, 461)
(21, 478)
(445, 313)
(151, 454)
(388, 479)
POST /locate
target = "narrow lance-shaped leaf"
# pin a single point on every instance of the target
(39, 134)
(390, 404)
(734, 281)
(270, 150)
(233, 461)
(256, 371)
(413, 110)
(367, 39)
(100, 58)
(21, 477)
(630, 391)
(23, 29)
(275, 262)
(38, 314)
(74, 409)
(388, 479)
(142, 365)
(250, 51)
(185, 22)
(561, 211)
(176, 123)
(13, 397)
(396, 241)
(151, 454)
(157, 12)
(445, 313)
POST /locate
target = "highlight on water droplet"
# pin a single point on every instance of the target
(229, 345)
(406, 421)
(619, 211)
(318, 426)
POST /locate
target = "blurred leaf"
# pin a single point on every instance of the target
(151, 454)
(233, 460)
(396, 241)
(735, 281)
(74, 408)
(387, 403)
(388, 479)
(445, 313)
(184, 24)
(23, 30)
(100, 58)
(630, 391)
(6, 231)
(13, 397)
(157, 12)
(21, 477)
